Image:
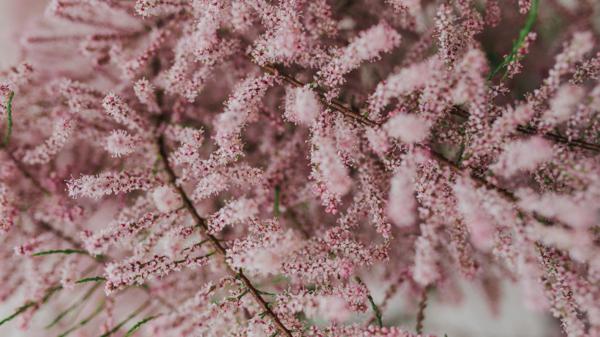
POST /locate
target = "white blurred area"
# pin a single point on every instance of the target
(14, 17)
(472, 318)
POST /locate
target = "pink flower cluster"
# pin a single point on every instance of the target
(293, 167)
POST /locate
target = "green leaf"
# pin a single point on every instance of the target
(84, 321)
(91, 279)
(51, 292)
(123, 322)
(137, 325)
(47, 297)
(9, 120)
(74, 306)
(19, 311)
(60, 251)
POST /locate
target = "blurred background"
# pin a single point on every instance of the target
(471, 318)
(14, 16)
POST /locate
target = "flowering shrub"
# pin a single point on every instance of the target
(256, 168)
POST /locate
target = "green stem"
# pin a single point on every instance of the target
(74, 306)
(276, 211)
(376, 311)
(374, 306)
(19, 311)
(91, 279)
(531, 18)
(9, 121)
(123, 322)
(84, 321)
(61, 251)
(137, 325)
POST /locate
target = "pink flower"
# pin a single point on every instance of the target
(136, 271)
(402, 204)
(145, 92)
(562, 105)
(123, 114)
(240, 107)
(481, 225)
(329, 172)
(8, 212)
(120, 143)
(45, 152)
(401, 83)
(369, 45)
(110, 183)
(166, 198)
(522, 156)
(302, 105)
(264, 250)
(408, 128)
(234, 212)
(308, 149)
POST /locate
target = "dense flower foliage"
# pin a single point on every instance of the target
(256, 167)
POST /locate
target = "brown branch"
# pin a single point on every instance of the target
(57, 232)
(219, 249)
(341, 107)
(352, 113)
(421, 312)
(389, 294)
(555, 137)
(333, 104)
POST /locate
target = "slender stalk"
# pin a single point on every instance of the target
(91, 279)
(9, 120)
(127, 319)
(421, 312)
(219, 249)
(555, 137)
(17, 312)
(84, 321)
(61, 251)
(531, 18)
(276, 210)
(389, 293)
(374, 307)
(74, 306)
(45, 299)
(137, 325)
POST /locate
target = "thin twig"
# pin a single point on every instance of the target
(389, 294)
(59, 234)
(34, 181)
(421, 312)
(376, 312)
(552, 136)
(219, 249)
(60, 251)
